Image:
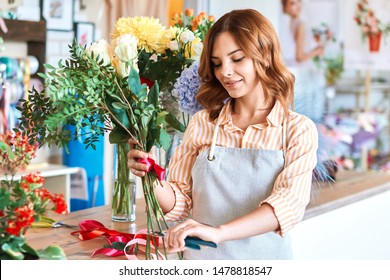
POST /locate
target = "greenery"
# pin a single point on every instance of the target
(334, 67)
(23, 201)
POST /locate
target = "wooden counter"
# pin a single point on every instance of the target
(350, 187)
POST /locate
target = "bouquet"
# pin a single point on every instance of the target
(323, 36)
(23, 201)
(111, 88)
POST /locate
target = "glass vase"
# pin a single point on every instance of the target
(124, 188)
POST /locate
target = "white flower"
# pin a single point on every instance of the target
(173, 45)
(103, 49)
(126, 47)
(121, 69)
(187, 36)
(153, 57)
(197, 47)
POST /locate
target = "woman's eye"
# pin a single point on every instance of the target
(239, 59)
(216, 65)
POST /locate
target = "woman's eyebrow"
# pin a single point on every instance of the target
(232, 52)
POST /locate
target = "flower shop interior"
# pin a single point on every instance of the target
(345, 92)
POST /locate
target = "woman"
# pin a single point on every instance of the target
(309, 96)
(244, 166)
(293, 35)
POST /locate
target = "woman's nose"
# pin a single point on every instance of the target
(226, 70)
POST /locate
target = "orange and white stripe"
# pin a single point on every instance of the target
(291, 192)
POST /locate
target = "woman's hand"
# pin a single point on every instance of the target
(137, 168)
(174, 238)
(319, 51)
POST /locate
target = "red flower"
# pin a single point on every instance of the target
(146, 81)
(24, 219)
(25, 215)
(60, 205)
(13, 228)
(34, 178)
(43, 193)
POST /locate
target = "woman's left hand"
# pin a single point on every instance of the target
(174, 237)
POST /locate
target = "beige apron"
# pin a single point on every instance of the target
(229, 183)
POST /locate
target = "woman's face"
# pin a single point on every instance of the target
(233, 69)
(293, 7)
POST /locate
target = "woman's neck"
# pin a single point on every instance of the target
(246, 112)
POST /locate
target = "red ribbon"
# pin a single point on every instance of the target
(151, 164)
(91, 229)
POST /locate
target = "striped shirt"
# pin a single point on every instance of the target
(291, 190)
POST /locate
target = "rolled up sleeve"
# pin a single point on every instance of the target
(292, 187)
(180, 167)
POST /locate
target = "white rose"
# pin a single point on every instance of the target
(197, 47)
(103, 49)
(173, 45)
(187, 36)
(121, 69)
(126, 47)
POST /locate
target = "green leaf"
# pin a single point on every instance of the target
(52, 252)
(27, 248)
(145, 119)
(118, 135)
(134, 82)
(118, 245)
(119, 105)
(12, 251)
(153, 95)
(174, 122)
(164, 139)
(161, 118)
(7, 149)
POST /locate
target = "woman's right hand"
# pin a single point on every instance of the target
(319, 51)
(137, 168)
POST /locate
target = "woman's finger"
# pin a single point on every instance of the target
(132, 143)
(136, 154)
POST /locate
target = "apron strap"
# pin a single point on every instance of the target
(211, 155)
(284, 139)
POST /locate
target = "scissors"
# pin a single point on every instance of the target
(191, 242)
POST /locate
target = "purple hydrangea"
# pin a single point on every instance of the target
(186, 88)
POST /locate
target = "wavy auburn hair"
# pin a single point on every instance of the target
(257, 38)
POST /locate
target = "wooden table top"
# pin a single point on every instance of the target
(349, 188)
(75, 248)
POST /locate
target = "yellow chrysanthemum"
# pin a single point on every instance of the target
(169, 35)
(148, 30)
